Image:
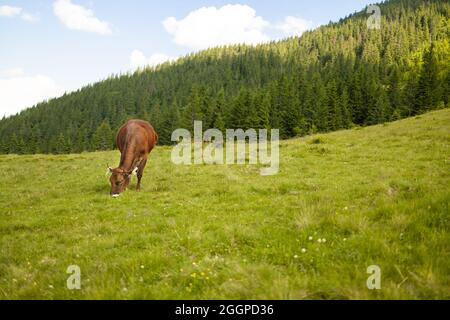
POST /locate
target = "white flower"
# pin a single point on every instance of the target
(310, 238)
(303, 250)
(319, 241)
(142, 266)
(324, 240)
(296, 256)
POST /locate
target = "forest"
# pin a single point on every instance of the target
(338, 76)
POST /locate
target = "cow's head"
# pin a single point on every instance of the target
(120, 180)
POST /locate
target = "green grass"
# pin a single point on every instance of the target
(378, 195)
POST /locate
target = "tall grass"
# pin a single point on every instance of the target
(375, 196)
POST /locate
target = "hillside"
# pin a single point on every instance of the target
(337, 76)
(377, 195)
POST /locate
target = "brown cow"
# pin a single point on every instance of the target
(135, 140)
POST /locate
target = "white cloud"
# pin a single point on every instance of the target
(9, 11)
(139, 60)
(211, 26)
(11, 73)
(18, 91)
(29, 17)
(293, 26)
(76, 17)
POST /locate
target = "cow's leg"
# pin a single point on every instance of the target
(140, 172)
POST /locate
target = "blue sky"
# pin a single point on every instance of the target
(48, 47)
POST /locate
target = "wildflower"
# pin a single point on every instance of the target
(324, 240)
(303, 250)
(51, 286)
(296, 256)
(142, 266)
(319, 241)
(310, 238)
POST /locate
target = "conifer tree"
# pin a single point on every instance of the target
(103, 137)
(427, 87)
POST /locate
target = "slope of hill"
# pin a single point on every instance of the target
(334, 77)
(373, 196)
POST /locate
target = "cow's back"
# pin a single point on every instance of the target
(137, 133)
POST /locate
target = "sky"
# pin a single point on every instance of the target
(48, 47)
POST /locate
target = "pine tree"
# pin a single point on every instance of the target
(427, 87)
(237, 116)
(103, 137)
(395, 93)
(264, 112)
(4, 149)
(60, 146)
(321, 118)
(379, 113)
(334, 107)
(357, 102)
(344, 102)
(218, 114)
(193, 110)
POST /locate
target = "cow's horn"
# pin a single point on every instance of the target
(109, 170)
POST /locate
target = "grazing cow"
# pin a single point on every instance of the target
(135, 140)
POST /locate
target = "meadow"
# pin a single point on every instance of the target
(341, 202)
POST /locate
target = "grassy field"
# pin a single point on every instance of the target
(378, 196)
